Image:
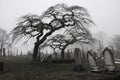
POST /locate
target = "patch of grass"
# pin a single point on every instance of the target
(20, 68)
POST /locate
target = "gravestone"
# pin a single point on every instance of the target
(109, 62)
(92, 62)
(77, 55)
(78, 61)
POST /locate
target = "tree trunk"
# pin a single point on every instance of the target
(35, 52)
(39, 54)
(1, 50)
(8, 52)
(36, 47)
(55, 54)
(63, 54)
(4, 53)
(63, 51)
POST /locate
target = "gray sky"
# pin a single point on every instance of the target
(105, 13)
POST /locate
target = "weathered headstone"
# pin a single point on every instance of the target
(92, 61)
(109, 60)
(77, 55)
(78, 60)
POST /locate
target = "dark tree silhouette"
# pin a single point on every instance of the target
(3, 41)
(55, 18)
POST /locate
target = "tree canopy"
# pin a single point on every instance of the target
(54, 18)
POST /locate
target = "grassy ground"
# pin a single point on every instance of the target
(20, 68)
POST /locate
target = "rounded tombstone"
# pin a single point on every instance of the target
(78, 67)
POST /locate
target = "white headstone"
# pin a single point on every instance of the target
(109, 60)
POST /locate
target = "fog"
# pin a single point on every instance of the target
(105, 13)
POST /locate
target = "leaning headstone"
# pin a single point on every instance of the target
(92, 62)
(109, 60)
(78, 61)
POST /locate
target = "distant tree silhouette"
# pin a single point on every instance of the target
(55, 18)
(3, 41)
(116, 43)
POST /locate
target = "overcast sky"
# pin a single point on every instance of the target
(105, 13)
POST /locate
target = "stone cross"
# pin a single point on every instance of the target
(109, 60)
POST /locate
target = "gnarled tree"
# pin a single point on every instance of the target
(55, 18)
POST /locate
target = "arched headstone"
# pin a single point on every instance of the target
(109, 60)
(92, 61)
(78, 60)
(77, 55)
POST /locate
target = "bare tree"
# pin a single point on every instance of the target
(55, 18)
(3, 41)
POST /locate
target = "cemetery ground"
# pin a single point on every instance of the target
(21, 68)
